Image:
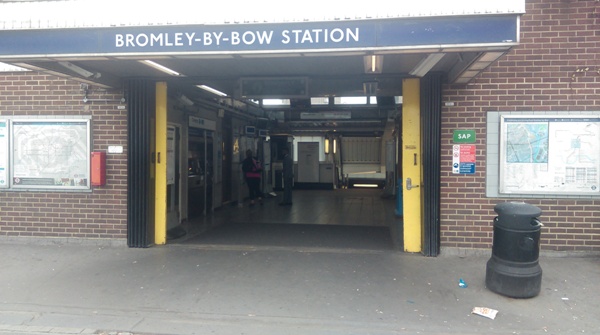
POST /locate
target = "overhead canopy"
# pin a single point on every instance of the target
(246, 51)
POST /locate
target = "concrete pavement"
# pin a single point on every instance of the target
(64, 288)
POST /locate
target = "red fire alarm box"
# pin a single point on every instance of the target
(98, 168)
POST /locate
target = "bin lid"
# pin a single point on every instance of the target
(514, 208)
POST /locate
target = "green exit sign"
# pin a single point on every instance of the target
(464, 136)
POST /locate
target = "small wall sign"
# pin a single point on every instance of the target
(463, 158)
(464, 136)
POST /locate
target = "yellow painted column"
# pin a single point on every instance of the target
(160, 195)
(411, 164)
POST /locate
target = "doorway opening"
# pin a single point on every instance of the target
(322, 156)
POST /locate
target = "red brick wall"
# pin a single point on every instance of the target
(555, 68)
(101, 213)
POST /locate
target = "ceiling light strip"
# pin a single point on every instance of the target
(160, 67)
(212, 90)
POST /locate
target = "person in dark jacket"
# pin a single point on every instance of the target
(288, 178)
(252, 174)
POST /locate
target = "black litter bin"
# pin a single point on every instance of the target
(514, 269)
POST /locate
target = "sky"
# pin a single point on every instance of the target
(81, 13)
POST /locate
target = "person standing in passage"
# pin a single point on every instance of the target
(252, 173)
(288, 178)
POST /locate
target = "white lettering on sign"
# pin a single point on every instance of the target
(464, 136)
(212, 38)
(315, 36)
(234, 38)
(251, 37)
(163, 40)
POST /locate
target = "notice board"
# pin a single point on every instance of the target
(3, 153)
(550, 154)
(48, 153)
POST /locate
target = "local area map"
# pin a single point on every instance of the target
(554, 155)
(50, 154)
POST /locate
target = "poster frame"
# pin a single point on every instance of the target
(550, 119)
(57, 121)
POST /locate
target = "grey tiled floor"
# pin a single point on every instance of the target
(345, 218)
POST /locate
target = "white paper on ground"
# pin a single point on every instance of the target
(484, 311)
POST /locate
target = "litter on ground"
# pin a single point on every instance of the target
(484, 311)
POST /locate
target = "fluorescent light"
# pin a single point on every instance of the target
(366, 185)
(373, 63)
(276, 102)
(326, 146)
(160, 67)
(212, 90)
(427, 64)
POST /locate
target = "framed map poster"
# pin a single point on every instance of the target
(3, 153)
(50, 153)
(550, 154)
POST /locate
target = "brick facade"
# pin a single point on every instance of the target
(101, 213)
(555, 68)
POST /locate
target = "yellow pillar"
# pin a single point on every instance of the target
(411, 164)
(160, 195)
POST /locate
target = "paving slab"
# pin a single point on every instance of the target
(260, 289)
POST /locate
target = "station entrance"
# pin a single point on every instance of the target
(348, 172)
(337, 147)
(211, 83)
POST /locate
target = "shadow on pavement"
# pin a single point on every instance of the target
(296, 236)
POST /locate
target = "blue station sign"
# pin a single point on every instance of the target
(426, 32)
